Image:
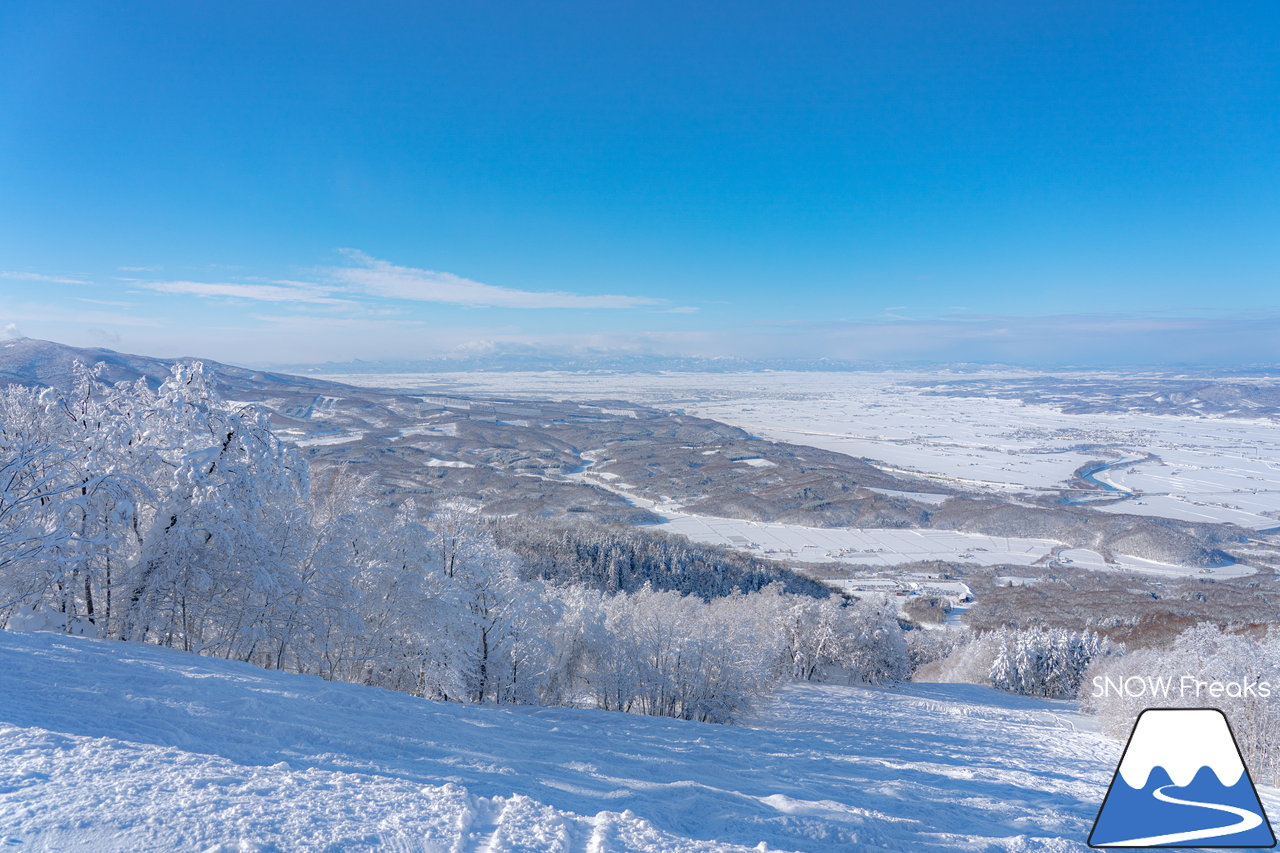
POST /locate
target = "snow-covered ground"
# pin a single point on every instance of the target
(1083, 558)
(889, 547)
(858, 546)
(878, 546)
(867, 546)
(295, 437)
(112, 747)
(1205, 469)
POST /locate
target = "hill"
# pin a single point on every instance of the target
(27, 361)
(519, 456)
(108, 746)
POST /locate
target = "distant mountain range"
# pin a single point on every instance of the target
(510, 357)
(533, 360)
(43, 362)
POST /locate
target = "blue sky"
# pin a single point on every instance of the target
(1079, 182)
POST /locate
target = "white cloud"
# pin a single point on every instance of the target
(683, 309)
(35, 276)
(380, 278)
(284, 292)
(367, 276)
(110, 303)
(42, 319)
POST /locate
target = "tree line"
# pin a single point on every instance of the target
(622, 559)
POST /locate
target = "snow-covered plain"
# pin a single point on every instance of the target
(873, 546)
(866, 546)
(858, 546)
(888, 547)
(106, 746)
(1205, 469)
(323, 440)
(1085, 559)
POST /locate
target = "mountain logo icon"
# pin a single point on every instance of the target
(1181, 783)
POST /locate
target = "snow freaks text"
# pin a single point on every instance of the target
(1185, 687)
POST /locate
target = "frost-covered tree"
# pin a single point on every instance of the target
(113, 465)
(667, 654)
(490, 625)
(171, 516)
(860, 642)
(1049, 662)
(38, 482)
(926, 647)
(70, 497)
(411, 633)
(221, 532)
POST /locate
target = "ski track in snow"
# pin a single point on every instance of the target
(121, 747)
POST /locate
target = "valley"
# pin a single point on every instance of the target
(983, 521)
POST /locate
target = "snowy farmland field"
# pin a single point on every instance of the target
(1180, 467)
(868, 546)
(106, 746)
(1204, 468)
(889, 547)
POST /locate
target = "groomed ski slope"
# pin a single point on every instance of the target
(112, 747)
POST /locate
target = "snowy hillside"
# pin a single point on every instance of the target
(112, 747)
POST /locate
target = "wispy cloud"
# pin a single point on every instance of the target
(353, 285)
(34, 316)
(381, 278)
(110, 303)
(14, 275)
(683, 309)
(285, 292)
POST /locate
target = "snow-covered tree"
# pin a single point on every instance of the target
(37, 491)
(171, 516)
(221, 533)
(1050, 662)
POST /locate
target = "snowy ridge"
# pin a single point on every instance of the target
(1182, 742)
(107, 746)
